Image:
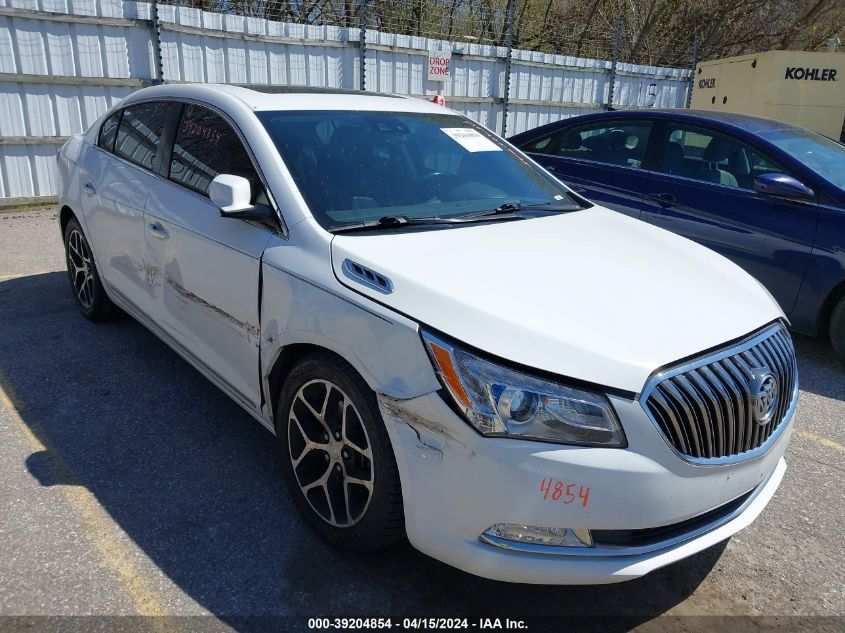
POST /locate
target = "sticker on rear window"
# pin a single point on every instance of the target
(471, 140)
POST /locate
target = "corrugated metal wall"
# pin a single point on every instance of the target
(57, 76)
(64, 62)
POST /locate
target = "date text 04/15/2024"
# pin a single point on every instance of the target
(417, 624)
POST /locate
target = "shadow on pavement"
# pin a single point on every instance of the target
(820, 372)
(192, 479)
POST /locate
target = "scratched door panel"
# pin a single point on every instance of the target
(117, 177)
(113, 204)
(203, 271)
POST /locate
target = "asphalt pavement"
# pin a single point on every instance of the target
(129, 485)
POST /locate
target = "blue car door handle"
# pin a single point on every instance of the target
(663, 199)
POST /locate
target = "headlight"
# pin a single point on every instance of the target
(503, 402)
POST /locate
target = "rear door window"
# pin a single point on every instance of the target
(615, 143)
(206, 145)
(544, 145)
(139, 132)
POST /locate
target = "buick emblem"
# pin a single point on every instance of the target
(764, 396)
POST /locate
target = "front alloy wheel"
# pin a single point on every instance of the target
(330, 453)
(336, 456)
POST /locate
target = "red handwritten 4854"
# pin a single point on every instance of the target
(556, 490)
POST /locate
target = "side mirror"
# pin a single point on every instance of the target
(783, 186)
(230, 193)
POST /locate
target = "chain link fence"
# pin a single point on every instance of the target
(530, 25)
(533, 25)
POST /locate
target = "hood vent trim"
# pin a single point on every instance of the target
(367, 277)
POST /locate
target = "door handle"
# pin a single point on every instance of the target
(663, 199)
(89, 188)
(157, 230)
(550, 167)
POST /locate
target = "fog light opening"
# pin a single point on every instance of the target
(537, 535)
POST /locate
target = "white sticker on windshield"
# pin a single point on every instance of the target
(471, 140)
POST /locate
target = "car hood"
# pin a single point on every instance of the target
(592, 295)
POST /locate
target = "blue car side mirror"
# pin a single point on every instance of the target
(783, 186)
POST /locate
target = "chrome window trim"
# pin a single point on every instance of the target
(744, 344)
(607, 551)
(591, 162)
(752, 193)
(657, 172)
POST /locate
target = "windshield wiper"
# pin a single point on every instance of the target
(515, 207)
(508, 211)
(392, 222)
(401, 221)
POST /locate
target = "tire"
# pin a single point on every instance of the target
(355, 464)
(837, 330)
(87, 289)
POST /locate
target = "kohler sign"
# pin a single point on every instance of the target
(811, 74)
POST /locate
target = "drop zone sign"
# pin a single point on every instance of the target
(438, 65)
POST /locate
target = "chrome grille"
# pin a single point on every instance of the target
(706, 407)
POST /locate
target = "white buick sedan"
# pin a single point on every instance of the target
(447, 342)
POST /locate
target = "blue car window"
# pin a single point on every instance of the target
(615, 143)
(759, 165)
(543, 145)
(824, 156)
(709, 156)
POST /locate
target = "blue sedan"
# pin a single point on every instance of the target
(768, 195)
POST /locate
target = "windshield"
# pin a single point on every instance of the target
(356, 167)
(819, 153)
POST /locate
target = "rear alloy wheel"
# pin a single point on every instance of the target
(88, 291)
(837, 330)
(336, 456)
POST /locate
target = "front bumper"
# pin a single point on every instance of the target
(456, 484)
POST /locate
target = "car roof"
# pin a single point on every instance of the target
(292, 98)
(744, 122)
